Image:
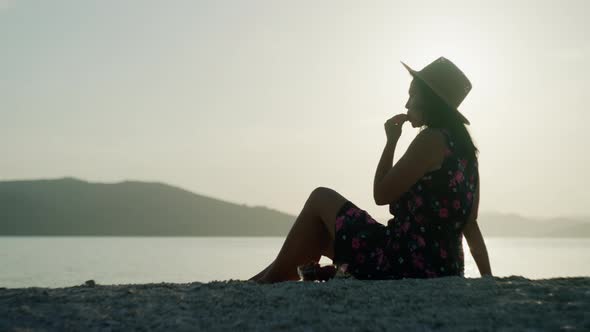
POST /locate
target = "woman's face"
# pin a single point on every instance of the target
(415, 106)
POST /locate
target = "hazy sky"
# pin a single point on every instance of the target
(259, 102)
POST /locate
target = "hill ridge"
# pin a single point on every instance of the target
(71, 206)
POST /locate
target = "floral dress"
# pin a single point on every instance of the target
(424, 237)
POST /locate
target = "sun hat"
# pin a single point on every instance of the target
(446, 80)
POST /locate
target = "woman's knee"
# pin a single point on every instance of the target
(326, 202)
(316, 197)
(320, 194)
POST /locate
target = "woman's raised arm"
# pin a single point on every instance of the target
(425, 151)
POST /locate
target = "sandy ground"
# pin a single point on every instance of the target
(443, 304)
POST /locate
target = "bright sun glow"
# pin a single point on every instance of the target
(468, 48)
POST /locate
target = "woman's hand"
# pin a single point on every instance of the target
(393, 127)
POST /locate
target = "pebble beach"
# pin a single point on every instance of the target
(442, 304)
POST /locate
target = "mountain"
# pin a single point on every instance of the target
(70, 206)
(73, 207)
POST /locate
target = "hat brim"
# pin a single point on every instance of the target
(412, 71)
(462, 117)
(416, 74)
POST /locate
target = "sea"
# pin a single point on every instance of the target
(51, 261)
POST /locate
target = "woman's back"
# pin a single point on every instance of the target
(426, 229)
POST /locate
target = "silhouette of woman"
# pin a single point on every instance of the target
(432, 193)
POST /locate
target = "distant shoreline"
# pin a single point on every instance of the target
(73, 207)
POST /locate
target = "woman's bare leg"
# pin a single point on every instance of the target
(311, 236)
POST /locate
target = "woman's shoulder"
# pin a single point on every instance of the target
(436, 139)
(433, 134)
(433, 144)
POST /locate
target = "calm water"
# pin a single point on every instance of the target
(69, 261)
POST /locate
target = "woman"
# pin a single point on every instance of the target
(432, 192)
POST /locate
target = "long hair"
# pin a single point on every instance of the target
(438, 114)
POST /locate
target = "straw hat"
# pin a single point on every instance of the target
(446, 80)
